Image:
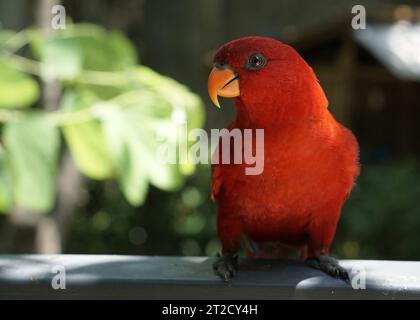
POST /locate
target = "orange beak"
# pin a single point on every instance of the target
(222, 82)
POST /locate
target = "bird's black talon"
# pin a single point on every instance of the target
(226, 266)
(330, 266)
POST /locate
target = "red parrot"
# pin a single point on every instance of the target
(310, 160)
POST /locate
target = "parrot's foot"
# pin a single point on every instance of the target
(226, 266)
(330, 266)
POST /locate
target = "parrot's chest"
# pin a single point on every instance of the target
(275, 203)
(271, 209)
(280, 201)
(291, 180)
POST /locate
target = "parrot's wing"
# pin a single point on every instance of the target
(217, 181)
(217, 168)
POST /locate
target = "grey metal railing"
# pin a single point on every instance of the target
(143, 277)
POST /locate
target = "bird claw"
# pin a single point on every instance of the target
(226, 266)
(330, 266)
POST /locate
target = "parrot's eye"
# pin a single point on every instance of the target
(256, 62)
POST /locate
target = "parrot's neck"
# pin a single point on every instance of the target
(260, 117)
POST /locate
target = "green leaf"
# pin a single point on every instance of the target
(86, 140)
(5, 184)
(107, 52)
(176, 94)
(184, 103)
(17, 90)
(122, 48)
(128, 153)
(82, 47)
(61, 58)
(153, 108)
(148, 118)
(32, 147)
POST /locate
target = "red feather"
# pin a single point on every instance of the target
(311, 161)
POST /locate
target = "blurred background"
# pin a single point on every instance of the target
(79, 108)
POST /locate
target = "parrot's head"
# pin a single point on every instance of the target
(269, 81)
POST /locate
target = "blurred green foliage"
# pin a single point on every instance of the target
(381, 220)
(111, 112)
(31, 151)
(13, 81)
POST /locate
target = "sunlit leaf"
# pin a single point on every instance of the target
(109, 52)
(185, 105)
(128, 152)
(150, 119)
(86, 140)
(61, 58)
(178, 95)
(83, 46)
(32, 148)
(17, 90)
